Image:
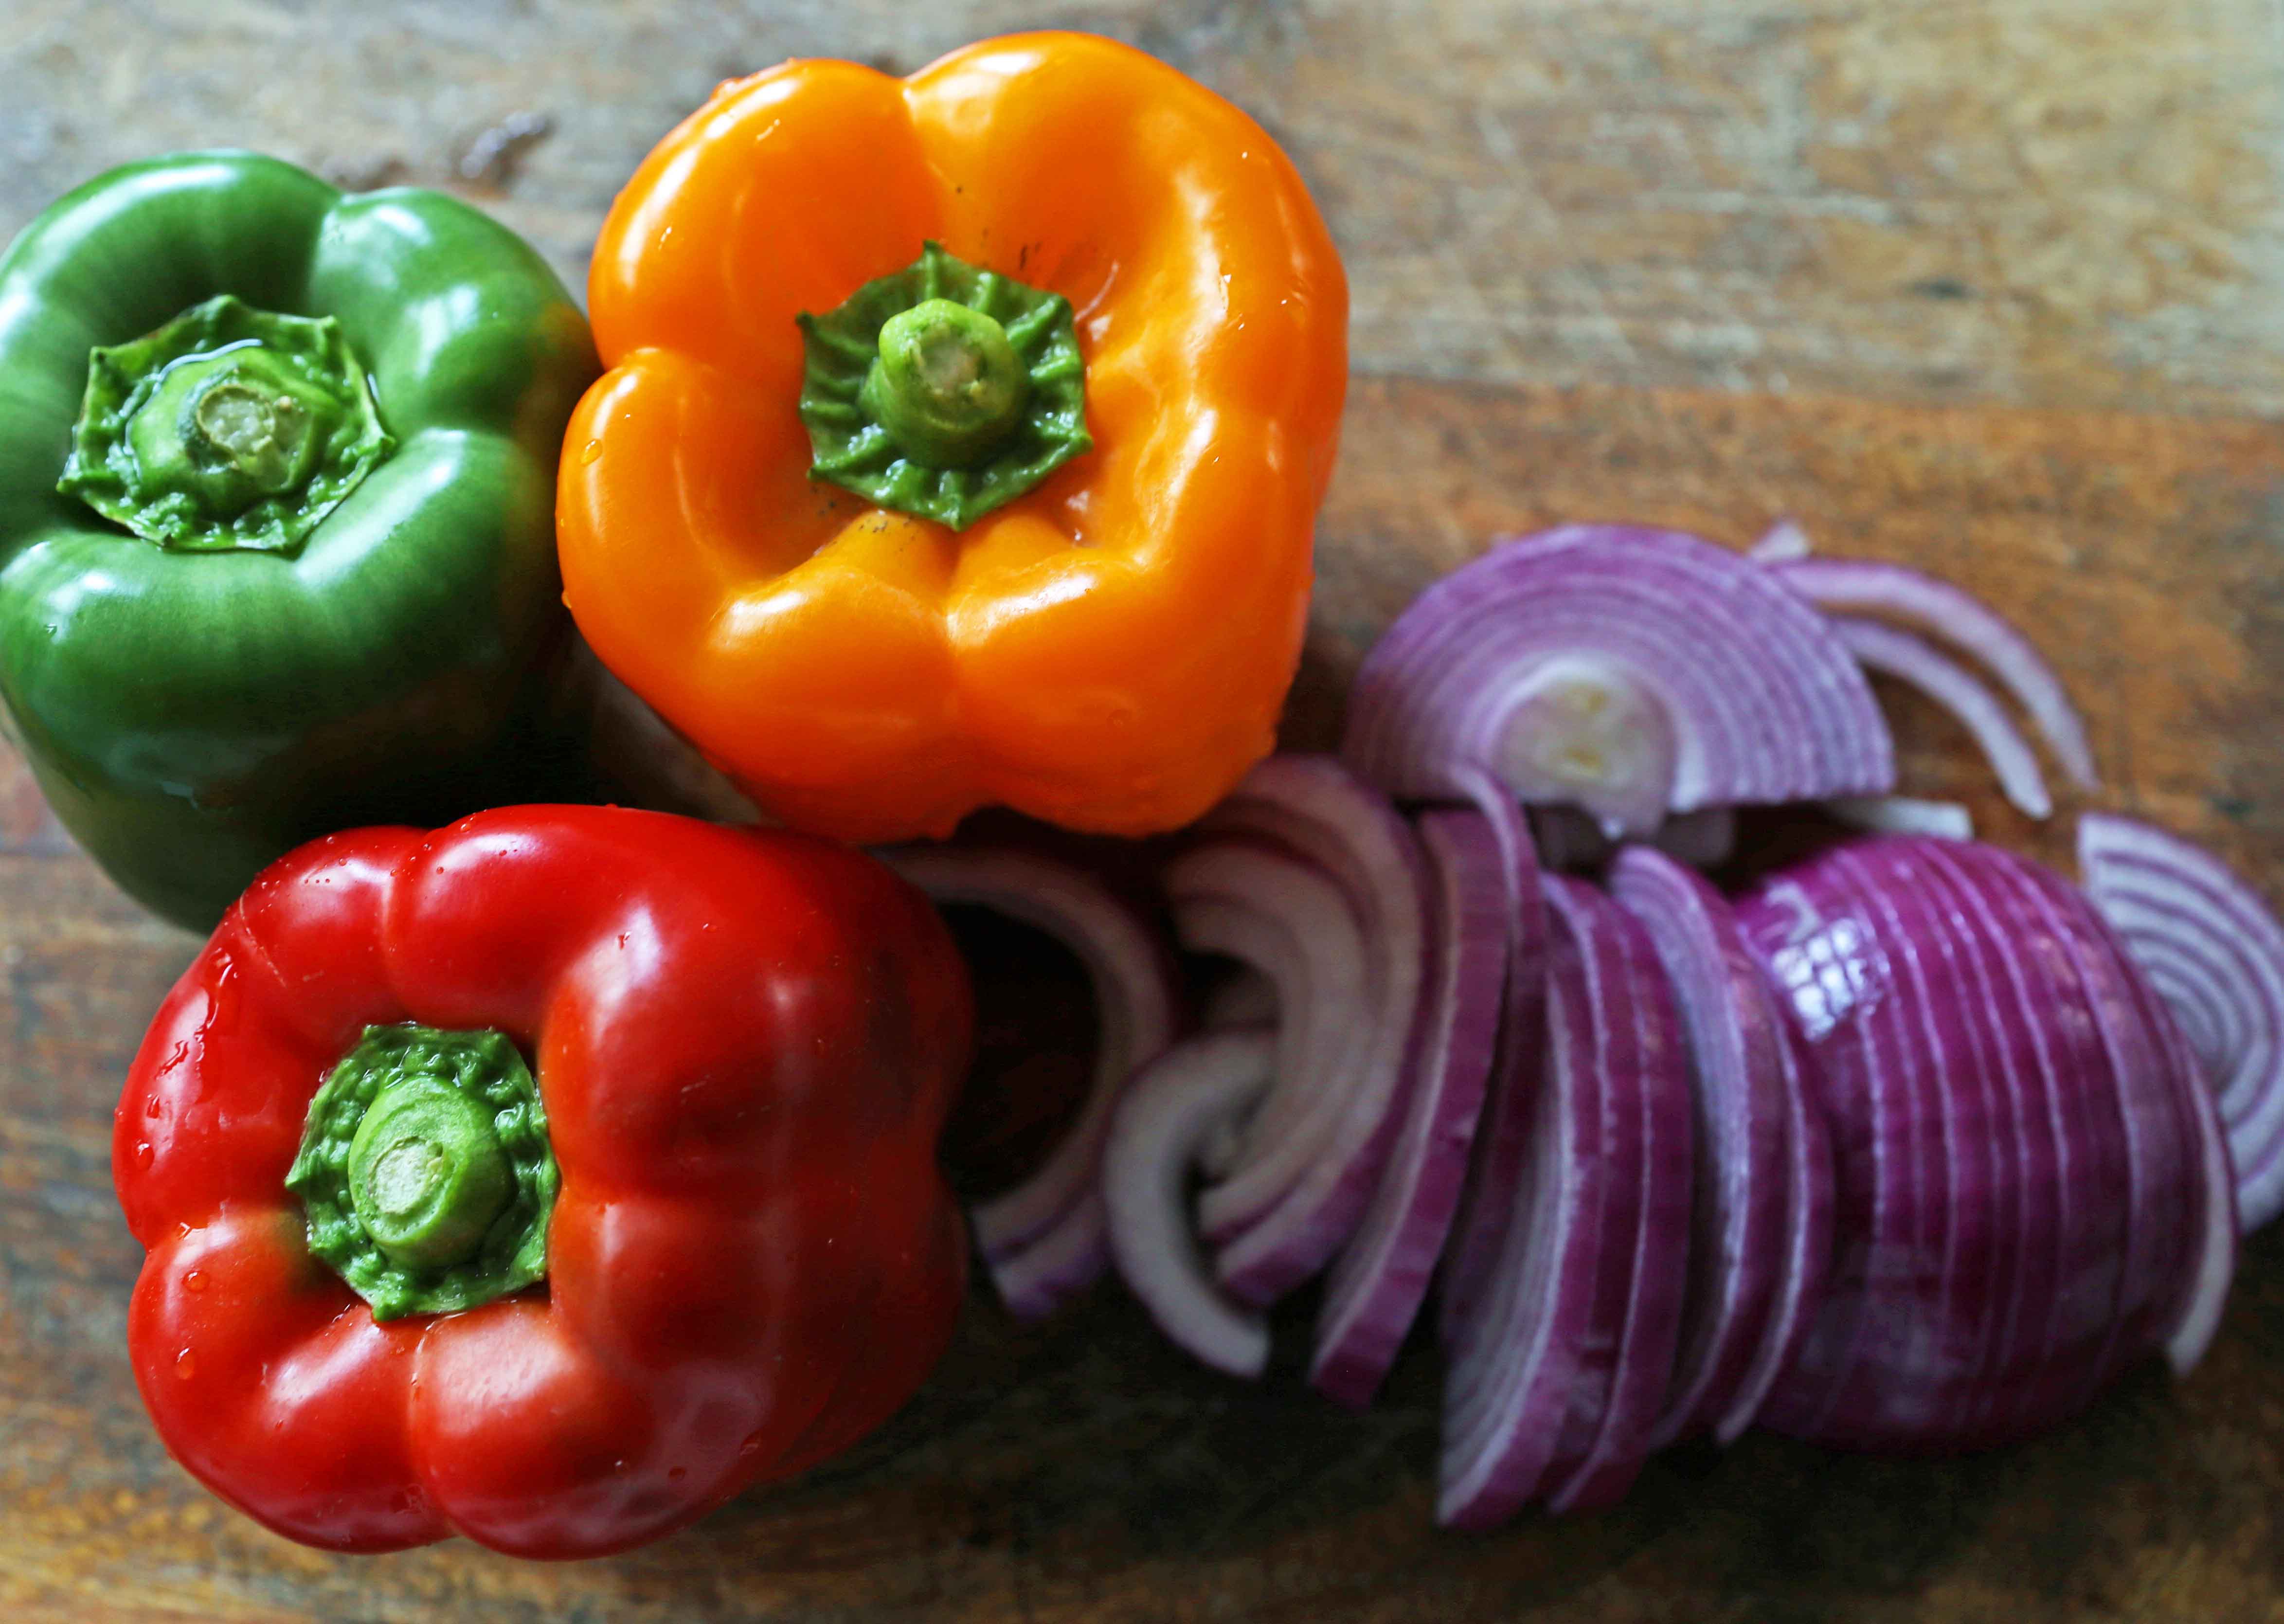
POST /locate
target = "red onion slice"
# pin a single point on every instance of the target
(1514, 1341)
(2052, 1006)
(1914, 661)
(2150, 1124)
(1501, 1137)
(2193, 1215)
(1316, 807)
(1860, 586)
(1618, 1148)
(1738, 1049)
(1806, 1258)
(1133, 977)
(1376, 1284)
(1628, 671)
(1833, 969)
(1279, 913)
(1162, 1126)
(1039, 1277)
(2214, 952)
(1649, 1064)
(2002, 1277)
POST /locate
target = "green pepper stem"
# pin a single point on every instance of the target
(425, 1170)
(228, 427)
(947, 386)
(426, 1175)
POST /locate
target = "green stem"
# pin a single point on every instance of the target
(426, 1170)
(426, 1174)
(944, 390)
(228, 427)
(948, 386)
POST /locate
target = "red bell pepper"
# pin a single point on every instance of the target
(744, 1045)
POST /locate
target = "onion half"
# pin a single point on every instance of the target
(2214, 952)
(1631, 672)
(1988, 1044)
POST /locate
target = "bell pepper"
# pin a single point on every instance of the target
(545, 1180)
(276, 527)
(961, 440)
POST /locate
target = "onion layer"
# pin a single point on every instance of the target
(1164, 1126)
(1763, 1202)
(1628, 671)
(1861, 586)
(1376, 1284)
(2214, 952)
(1315, 808)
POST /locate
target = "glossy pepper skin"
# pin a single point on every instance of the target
(745, 1044)
(1109, 651)
(192, 715)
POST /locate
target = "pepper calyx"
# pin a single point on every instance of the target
(426, 1172)
(944, 390)
(227, 428)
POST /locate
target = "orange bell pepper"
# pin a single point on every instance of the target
(1109, 649)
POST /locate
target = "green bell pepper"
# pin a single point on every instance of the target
(277, 535)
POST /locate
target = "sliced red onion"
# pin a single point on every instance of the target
(1744, 1106)
(1039, 1277)
(1806, 1258)
(1162, 1123)
(1316, 807)
(2001, 1274)
(1903, 815)
(1263, 905)
(1829, 963)
(1914, 661)
(2156, 1188)
(1628, 671)
(1376, 1284)
(2053, 1006)
(1647, 1068)
(2214, 952)
(2195, 1250)
(1501, 1137)
(1861, 586)
(1533, 1225)
(1133, 977)
(2195, 1319)
(2027, 1052)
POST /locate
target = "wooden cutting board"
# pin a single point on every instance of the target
(1993, 286)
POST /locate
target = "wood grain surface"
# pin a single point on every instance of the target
(1995, 287)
